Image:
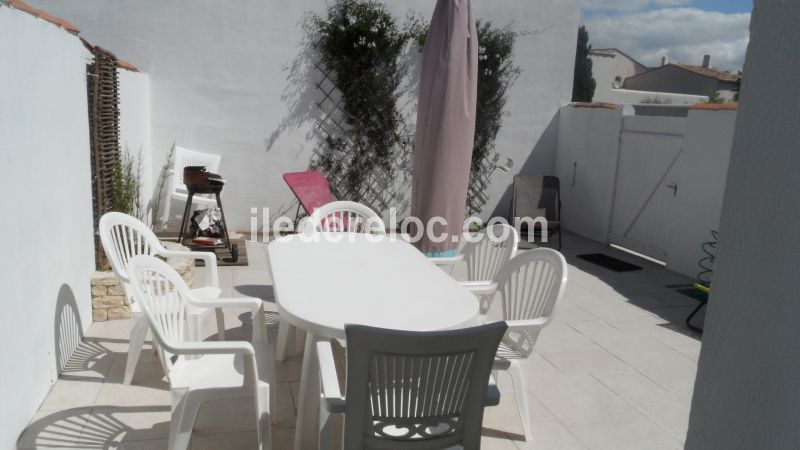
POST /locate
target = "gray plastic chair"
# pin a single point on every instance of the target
(411, 390)
(538, 197)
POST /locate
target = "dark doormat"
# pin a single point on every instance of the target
(609, 262)
(224, 256)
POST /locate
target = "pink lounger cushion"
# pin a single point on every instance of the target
(311, 189)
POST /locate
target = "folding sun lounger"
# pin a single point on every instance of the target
(311, 189)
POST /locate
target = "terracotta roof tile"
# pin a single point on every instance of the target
(22, 6)
(709, 72)
(595, 105)
(732, 106)
(126, 65)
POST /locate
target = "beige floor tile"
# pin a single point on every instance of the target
(583, 360)
(627, 431)
(549, 436)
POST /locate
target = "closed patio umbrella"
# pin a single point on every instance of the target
(445, 124)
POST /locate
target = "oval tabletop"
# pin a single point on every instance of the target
(370, 280)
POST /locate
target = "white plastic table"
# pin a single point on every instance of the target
(321, 286)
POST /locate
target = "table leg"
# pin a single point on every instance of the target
(306, 431)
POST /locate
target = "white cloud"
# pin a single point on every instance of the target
(681, 34)
(629, 6)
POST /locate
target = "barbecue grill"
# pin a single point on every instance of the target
(199, 181)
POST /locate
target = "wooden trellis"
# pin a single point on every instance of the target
(103, 95)
(379, 191)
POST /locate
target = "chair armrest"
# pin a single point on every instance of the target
(519, 325)
(492, 393)
(479, 287)
(209, 258)
(250, 303)
(446, 260)
(334, 402)
(210, 348)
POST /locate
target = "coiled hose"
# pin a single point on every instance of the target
(707, 262)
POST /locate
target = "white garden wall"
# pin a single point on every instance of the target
(48, 250)
(746, 395)
(221, 81)
(134, 129)
(617, 176)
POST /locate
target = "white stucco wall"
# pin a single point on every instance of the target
(747, 393)
(134, 129)
(586, 161)
(700, 174)
(631, 97)
(221, 82)
(673, 227)
(47, 238)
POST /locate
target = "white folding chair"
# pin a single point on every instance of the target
(124, 237)
(177, 190)
(484, 253)
(530, 287)
(218, 370)
(411, 390)
(347, 217)
(334, 217)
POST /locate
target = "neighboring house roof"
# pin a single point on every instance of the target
(720, 75)
(611, 52)
(22, 6)
(716, 74)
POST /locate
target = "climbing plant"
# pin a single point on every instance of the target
(358, 43)
(496, 73)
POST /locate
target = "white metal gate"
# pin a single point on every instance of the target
(643, 190)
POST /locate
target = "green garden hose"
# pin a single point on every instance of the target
(707, 262)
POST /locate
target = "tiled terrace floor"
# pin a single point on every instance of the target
(615, 370)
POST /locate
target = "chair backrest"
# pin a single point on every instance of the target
(311, 189)
(486, 253)
(537, 197)
(415, 390)
(349, 217)
(185, 157)
(162, 294)
(530, 286)
(124, 237)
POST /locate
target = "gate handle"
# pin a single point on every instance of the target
(674, 187)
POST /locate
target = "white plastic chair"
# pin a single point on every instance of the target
(530, 287)
(411, 390)
(124, 237)
(177, 190)
(485, 253)
(343, 216)
(218, 370)
(333, 217)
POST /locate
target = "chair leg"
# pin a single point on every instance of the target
(264, 413)
(221, 324)
(299, 340)
(521, 395)
(138, 335)
(325, 428)
(559, 238)
(282, 350)
(184, 413)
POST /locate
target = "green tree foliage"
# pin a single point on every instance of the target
(359, 41)
(584, 84)
(714, 97)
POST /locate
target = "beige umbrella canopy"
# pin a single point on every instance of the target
(445, 124)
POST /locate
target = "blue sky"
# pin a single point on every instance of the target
(726, 6)
(681, 30)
